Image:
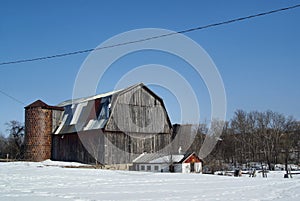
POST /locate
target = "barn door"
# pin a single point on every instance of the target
(192, 167)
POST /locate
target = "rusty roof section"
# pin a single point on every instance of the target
(41, 104)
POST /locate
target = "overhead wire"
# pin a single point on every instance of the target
(151, 38)
(11, 97)
(141, 40)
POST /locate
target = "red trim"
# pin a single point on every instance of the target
(193, 158)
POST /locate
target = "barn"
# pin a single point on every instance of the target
(110, 128)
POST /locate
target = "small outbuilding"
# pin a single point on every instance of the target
(158, 162)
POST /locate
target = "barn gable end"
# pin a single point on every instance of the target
(138, 110)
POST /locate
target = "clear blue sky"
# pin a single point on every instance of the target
(258, 59)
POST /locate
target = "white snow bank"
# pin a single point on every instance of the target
(37, 181)
(46, 163)
(63, 164)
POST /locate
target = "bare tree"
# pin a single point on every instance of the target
(277, 128)
(3, 146)
(16, 139)
(289, 137)
(265, 137)
(245, 135)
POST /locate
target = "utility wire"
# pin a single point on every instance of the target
(153, 37)
(11, 97)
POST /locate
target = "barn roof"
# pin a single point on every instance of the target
(78, 110)
(80, 100)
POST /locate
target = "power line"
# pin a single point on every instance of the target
(153, 37)
(11, 97)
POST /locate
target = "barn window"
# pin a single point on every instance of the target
(142, 167)
(156, 168)
(148, 168)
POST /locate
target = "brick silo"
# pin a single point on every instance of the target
(39, 126)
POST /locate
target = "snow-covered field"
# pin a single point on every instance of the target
(48, 181)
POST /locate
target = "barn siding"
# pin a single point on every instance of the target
(115, 147)
(138, 111)
(70, 147)
(122, 148)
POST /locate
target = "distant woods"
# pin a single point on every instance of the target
(266, 137)
(12, 145)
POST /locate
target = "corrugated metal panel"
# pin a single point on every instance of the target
(89, 125)
(77, 113)
(95, 124)
(69, 113)
(68, 129)
(87, 115)
(147, 157)
(158, 158)
(100, 123)
(61, 124)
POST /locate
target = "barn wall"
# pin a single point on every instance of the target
(198, 167)
(121, 148)
(108, 147)
(186, 167)
(138, 111)
(161, 167)
(82, 147)
(117, 148)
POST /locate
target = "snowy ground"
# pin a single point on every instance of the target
(48, 181)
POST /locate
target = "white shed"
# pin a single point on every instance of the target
(156, 162)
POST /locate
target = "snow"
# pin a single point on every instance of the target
(61, 164)
(49, 181)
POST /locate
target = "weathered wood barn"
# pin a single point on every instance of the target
(111, 128)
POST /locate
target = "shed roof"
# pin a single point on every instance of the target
(147, 157)
(156, 158)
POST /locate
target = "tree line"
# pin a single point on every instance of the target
(266, 137)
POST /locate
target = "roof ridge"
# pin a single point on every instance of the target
(102, 95)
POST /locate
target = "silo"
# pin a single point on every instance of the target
(39, 125)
